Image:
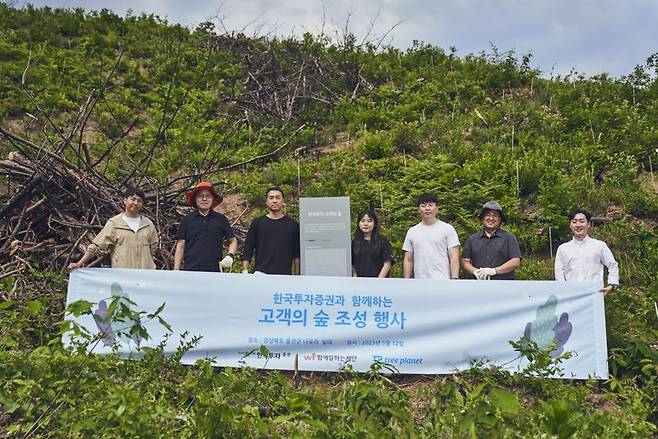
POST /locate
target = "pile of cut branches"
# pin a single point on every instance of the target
(56, 194)
(53, 208)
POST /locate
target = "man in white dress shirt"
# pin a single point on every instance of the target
(583, 258)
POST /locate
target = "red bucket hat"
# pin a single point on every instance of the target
(203, 185)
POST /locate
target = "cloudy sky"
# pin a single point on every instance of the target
(590, 36)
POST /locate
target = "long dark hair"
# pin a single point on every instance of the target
(375, 237)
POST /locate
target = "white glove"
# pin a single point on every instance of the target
(245, 271)
(477, 274)
(227, 262)
(487, 272)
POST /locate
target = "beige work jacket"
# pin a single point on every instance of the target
(127, 249)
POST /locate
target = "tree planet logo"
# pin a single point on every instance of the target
(547, 328)
(108, 322)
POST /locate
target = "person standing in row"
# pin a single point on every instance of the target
(274, 238)
(492, 253)
(202, 233)
(431, 246)
(583, 258)
(372, 255)
(130, 238)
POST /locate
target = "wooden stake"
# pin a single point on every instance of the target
(295, 376)
(512, 139)
(550, 239)
(299, 180)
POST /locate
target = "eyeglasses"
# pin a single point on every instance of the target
(205, 196)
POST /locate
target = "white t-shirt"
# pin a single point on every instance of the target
(429, 245)
(133, 223)
(584, 260)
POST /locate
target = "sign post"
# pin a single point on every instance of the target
(326, 245)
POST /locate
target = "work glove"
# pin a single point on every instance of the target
(227, 262)
(487, 272)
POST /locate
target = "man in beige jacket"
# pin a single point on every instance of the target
(129, 237)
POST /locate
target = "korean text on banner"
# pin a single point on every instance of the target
(418, 326)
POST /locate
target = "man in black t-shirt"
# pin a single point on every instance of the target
(274, 237)
(202, 233)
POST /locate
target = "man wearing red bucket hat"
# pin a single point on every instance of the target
(202, 233)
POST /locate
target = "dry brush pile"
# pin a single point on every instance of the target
(53, 207)
(56, 194)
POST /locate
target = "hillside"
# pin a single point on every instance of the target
(94, 100)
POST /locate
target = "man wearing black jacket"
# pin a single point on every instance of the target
(274, 238)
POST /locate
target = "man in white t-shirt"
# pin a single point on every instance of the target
(431, 246)
(583, 258)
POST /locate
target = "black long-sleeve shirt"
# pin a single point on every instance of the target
(276, 243)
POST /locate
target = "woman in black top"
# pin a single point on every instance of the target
(371, 251)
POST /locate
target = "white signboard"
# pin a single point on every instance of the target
(418, 326)
(324, 228)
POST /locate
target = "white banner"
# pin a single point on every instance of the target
(418, 326)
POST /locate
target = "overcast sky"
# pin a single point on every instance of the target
(590, 36)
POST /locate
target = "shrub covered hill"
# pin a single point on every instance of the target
(114, 99)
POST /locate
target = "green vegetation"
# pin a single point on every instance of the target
(379, 125)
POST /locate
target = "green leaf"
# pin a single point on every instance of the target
(34, 307)
(264, 351)
(506, 401)
(157, 311)
(251, 410)
(7, 304)
(475, 393)
(164, 323)
(111, 310)
(79, 307)
(9, 406)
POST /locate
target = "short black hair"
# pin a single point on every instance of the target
(132, 190)
(575, 212)
(274, 188)
(426, 198)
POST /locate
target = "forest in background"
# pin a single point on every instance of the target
(91, 101)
